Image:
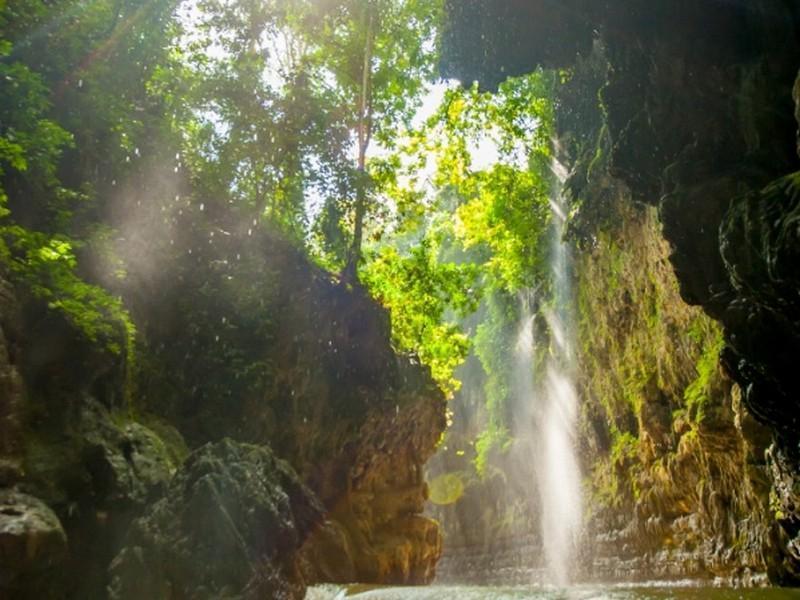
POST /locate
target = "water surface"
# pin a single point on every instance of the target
(588, 592)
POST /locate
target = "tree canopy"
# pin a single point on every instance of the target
(132, 132)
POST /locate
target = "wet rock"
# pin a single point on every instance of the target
(98, 470)
(11, 390)
(228, 527)
(785, 501)
(33, 547)
(100, 461)
(760, 244)
(376, 532)
(128, 462)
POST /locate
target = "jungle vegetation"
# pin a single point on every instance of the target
(323, 120)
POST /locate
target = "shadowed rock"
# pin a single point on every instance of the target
(228, 527)
(32, 547)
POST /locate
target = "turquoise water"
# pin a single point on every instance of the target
(589, 592)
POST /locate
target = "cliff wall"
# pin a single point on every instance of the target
(679, 484)
(685, 107)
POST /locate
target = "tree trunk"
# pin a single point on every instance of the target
(364, 136)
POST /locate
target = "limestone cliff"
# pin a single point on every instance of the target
(687, 107)
(679, 486)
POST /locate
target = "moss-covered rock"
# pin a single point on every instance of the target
(678, 479)
(228, 527)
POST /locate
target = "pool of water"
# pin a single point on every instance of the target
(656, 591)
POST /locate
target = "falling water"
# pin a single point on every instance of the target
(558, 479)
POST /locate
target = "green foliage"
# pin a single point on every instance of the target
(615, 476)
(494, 346)
(624, 447)
(419, 291)
(30, 142)
(491, 439)
(507, 213)
(69, 113)
(440, 191)
(697, 394)
(46, 265)
(261, 104)
(268, 98)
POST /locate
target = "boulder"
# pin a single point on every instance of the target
(228, 527)
(33, 546)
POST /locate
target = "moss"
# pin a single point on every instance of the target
(698, 393)
(52, 466)
(641, 346)
(493, 438)
(625, 447)
(170, 442)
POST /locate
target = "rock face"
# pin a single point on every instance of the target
(376, 531)
(72, 466)
(228, 527)
(33, 547)
(697, 119)
(11, 388)
(679, 481)
(313, 374)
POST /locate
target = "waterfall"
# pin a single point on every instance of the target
(555, 406)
